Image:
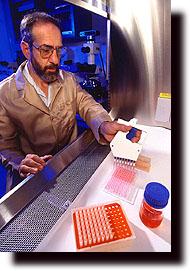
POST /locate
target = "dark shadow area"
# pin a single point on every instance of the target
(177, 178)
(96, 258)
(123, 61)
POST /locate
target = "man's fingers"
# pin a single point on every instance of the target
(126, 128)
(32, 160)
(46, 157)
(31, 163)
(109, 138)
(135, 139)
(138, 133)
(122, 127)
(110, 129)
(36, 159)
(24, 170)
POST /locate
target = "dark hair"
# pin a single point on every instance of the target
(28, 22)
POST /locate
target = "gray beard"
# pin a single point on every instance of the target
(48, 77)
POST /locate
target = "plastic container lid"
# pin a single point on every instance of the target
(156, 195)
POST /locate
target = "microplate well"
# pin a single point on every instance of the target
(123, 183)
(100, 224)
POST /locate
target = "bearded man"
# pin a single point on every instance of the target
(39, 102)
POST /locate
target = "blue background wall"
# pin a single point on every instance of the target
(2, 181)
(7, 44)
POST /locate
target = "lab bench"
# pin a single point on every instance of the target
(76, 177)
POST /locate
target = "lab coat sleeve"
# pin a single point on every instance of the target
(92, 112)
(10, 153)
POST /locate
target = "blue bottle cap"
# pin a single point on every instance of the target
(156, 195)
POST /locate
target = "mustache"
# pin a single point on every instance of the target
(52, 66)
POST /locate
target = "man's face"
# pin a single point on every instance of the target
(46, 68)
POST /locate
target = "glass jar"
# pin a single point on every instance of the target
(155, 199)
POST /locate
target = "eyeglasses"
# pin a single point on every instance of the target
(47, 50)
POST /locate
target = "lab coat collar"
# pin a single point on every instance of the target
(21, 81)
(29, 93)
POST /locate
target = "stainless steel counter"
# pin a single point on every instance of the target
(30, 210)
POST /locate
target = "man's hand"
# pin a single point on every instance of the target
(32, 163)
(109, 130)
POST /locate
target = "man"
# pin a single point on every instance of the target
(39, 102)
